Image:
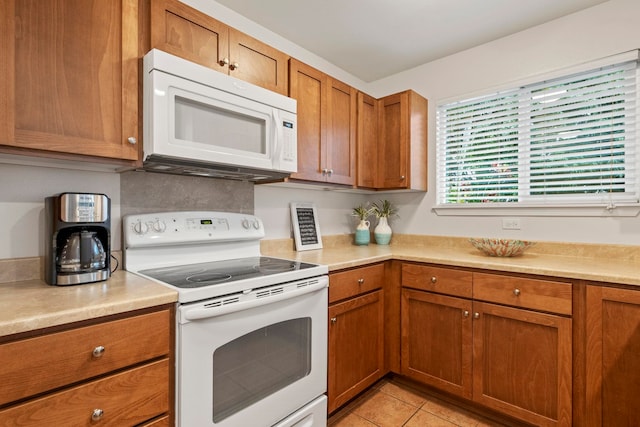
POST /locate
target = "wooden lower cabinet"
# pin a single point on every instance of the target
(522, 363)
(356, 346)
(436, 341)
(124, 399)
(612, 356)
(160, 422)
(514, 360)
(115, 372)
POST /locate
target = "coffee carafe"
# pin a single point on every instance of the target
(78, 227)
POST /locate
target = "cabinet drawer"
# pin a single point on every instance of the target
(125, 399)
(435, 279)
(160, 422)
(347, 284)
(544, 295)
(43, 363)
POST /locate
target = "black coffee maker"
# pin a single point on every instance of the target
(78, 236)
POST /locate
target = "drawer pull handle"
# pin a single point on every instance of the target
(434, 279)
(465, 313)
(97, 414)
(334, 320)
(360, 281)
(98, 351)
(476, 315)
(516, 292)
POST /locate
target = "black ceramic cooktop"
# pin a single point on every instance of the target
(218, 272)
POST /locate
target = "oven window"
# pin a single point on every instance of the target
(258, 364)
(224, 129)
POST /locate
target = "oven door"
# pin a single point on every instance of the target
(253, 365)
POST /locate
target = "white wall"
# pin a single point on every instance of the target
(600, 31)
(22, 193)
(334, 209)
(606, 29)
(239, 22)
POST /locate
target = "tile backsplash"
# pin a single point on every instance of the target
(143, 192)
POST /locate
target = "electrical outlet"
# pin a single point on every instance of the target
(511, 223)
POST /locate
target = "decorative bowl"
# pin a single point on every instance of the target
(501, 247)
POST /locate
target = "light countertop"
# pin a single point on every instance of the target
(608, 263)
(27, 305)
(32, 304)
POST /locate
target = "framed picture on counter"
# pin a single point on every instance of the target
(306, 229)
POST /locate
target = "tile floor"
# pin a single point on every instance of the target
(390, 403)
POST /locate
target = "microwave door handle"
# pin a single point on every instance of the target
(277, 136)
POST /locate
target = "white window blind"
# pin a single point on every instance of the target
(566, 141)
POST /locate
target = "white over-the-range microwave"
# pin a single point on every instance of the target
(198, 121)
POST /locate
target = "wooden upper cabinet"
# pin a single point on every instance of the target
(341, 133)
(326, 125)
(188, 33)
(258, 63)
(70, 77)
(402, 152)
(308, 86)
(367, 141)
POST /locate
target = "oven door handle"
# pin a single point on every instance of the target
(197, 313)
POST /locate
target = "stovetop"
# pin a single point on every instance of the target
(206, 254)
(225, 271)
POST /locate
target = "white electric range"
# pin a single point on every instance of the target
(251, 331)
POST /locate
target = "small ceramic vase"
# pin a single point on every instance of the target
(362, 233)
(382, 232)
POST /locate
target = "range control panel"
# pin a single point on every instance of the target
(172, 228)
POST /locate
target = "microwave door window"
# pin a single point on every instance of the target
(222, 129)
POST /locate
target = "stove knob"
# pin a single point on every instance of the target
(256, 224)
(140, 227)
(159, 226)
(245, 224)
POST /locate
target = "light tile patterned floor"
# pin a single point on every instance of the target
(392, 404)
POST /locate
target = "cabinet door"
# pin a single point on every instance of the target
(367, 141)
(190, 34)
(613, 356)
(70, 76)
(356, 346)
(394, 137)
(307, 86)
(341, 132)
(436, 341)
(257, 63)
(402, 154)
(522, 363)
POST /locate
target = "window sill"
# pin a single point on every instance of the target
(539, 210)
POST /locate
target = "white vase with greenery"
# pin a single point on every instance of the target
(383, 210)
(363, 235)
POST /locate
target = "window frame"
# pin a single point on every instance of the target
(540, 205)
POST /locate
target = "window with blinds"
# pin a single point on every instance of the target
(564, 141)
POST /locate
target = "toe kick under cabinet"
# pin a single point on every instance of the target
(112, 373)
(503, 341)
